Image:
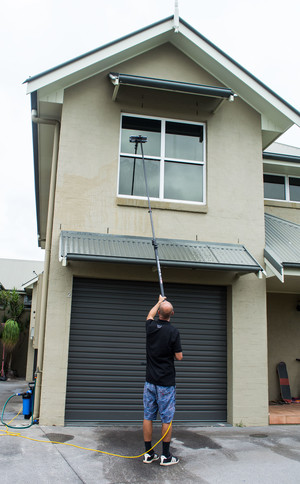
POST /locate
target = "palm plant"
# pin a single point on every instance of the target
(10, 337)
(11, 326)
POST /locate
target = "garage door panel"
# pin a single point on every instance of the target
(106, 369)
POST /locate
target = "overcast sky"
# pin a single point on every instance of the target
(35, 35)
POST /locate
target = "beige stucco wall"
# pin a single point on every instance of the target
(286, 210)
(283, 341)
(86, 201)
(247, 355)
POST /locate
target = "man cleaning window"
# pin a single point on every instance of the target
(163, 346)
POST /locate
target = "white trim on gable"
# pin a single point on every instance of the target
(276, 114)
(105, 58)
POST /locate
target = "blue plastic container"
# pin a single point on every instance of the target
(27, 404)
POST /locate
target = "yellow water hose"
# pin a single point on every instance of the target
(17, 434)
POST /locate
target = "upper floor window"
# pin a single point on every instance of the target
(282, 187)
(174, 159)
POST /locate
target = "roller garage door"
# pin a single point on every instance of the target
(106, 367)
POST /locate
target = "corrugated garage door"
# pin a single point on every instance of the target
(106, 370)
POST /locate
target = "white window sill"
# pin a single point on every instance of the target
(282, 203)
(182, 207)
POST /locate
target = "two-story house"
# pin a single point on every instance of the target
(207, 121)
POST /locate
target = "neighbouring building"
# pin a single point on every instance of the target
(209, 124)
(21, 275)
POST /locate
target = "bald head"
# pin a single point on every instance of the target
(166, 310)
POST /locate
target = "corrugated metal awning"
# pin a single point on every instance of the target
(282, 249)
(85, 246)
(220, 94)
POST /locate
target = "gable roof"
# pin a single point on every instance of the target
(277, 114)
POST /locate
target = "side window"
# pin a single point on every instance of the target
(274, 187)
(294, 189)
(282, 187)
(174, 159)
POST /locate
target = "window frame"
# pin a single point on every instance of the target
(162, 159)
(286, 187)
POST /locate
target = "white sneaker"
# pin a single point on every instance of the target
(168, 461)
(148, 458)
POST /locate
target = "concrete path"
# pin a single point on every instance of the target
(227, 455)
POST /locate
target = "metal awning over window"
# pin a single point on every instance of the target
(118, 79)
(84, 246)
(282, 251)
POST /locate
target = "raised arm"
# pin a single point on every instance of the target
(153, 311)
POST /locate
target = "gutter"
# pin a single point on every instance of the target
(267, 155)
(41, 342)
(167, 263)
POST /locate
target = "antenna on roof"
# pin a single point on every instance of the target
(176, 17)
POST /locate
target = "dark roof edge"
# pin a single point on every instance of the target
(97, 49)
(239, 66)
(130, 260)
(291, 265)
(267, 155)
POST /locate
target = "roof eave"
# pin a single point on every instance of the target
(245, 84)
(240, 67)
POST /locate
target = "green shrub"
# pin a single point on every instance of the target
(10, 334)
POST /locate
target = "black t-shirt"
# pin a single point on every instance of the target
(162, 342)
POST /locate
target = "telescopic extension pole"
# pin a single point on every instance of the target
(141, 140)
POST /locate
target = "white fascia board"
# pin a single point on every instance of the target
(270, 270)
(91, 64)
(281, 167)
(291, 272)
(230, 74)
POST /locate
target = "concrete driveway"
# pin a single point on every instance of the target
(227, 455)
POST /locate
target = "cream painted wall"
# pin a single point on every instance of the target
(283, 341)
(56, 342)
(288, 211)
(86, 201)
(247, 360)
(88, 160)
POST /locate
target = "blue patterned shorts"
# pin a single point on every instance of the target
(159, 399)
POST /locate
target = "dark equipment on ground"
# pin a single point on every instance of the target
(284, 383)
